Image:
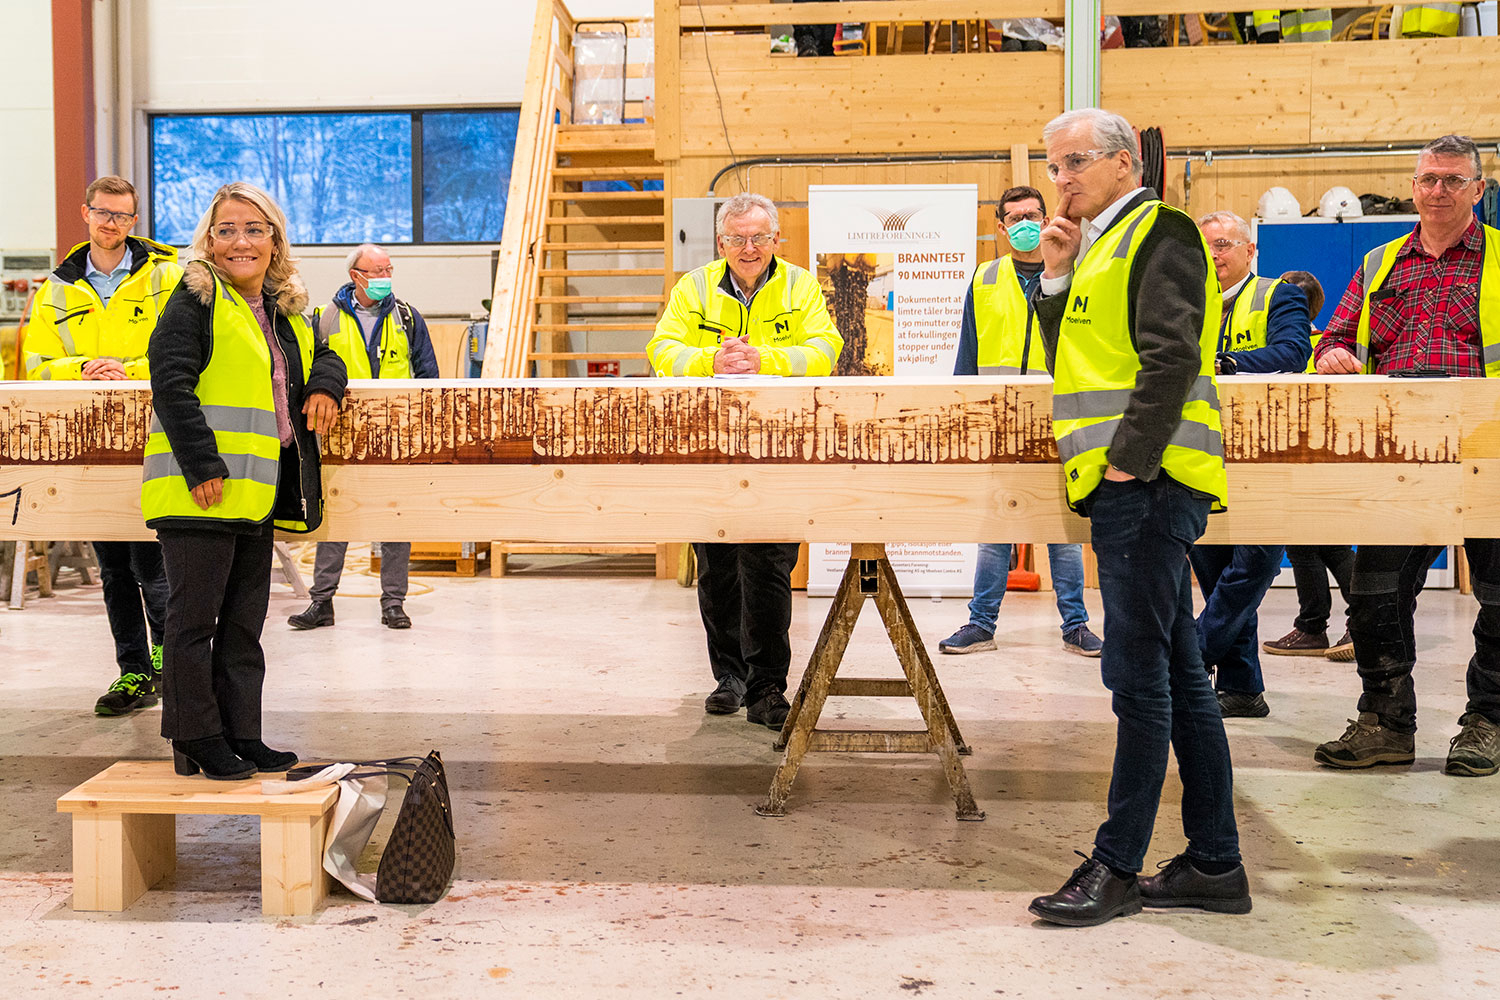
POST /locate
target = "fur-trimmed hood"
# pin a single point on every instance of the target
(291, 298)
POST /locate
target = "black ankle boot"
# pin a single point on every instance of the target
(213, 757)
(262, 756)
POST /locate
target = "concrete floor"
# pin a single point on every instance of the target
(608, 844)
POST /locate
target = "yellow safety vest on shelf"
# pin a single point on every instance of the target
(71, 325)
(1430, 20)
(1266, 21)
(787, 321)
(1312, 25)
(1378, 265)
(1097, 363)
(1246, 328)
(1004, 323)
(235, 394)
(342, 332)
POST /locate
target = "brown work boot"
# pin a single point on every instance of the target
(1475, 751)
(1367, 743)
(1298, 643)
(1343, 650)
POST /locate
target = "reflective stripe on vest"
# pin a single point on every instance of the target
(1097, 365)
(1266, 21)
(348, 342)
(1378, 265)
(236, 399)
(1245, 327)
(1311, 25)
(1430, 20)
(59, 301)
(1004, 322)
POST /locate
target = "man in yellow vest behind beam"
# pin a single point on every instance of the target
(92, 320)
(378, 336)
(1264, 329)
(1129, 311)
(999, 337)
(748, 312)
(1427, 303)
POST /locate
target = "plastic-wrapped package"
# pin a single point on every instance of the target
(598, 77)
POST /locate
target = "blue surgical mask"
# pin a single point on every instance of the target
(378, 288)
(1025, 235)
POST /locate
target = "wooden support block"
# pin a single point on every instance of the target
(293, 881)
(117, 857)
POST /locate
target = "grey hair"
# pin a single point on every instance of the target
(1454, 145)
(1111, 133)
(1227, 218)
(360, 251)
(744, 204)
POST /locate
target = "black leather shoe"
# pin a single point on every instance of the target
(317, 615)
(394, 618)
(262, 756)
(1180, 884)
(770, 711)
(1092, 895)
(725, 700)
(213, 757)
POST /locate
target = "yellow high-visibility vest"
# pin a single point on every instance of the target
(342, 332)
(1004, 322)
(236, 396)
(1097, 363)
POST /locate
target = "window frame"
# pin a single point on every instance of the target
(415, 115)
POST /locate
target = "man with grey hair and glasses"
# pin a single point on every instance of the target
(378, 336)
(1427, 303)
(1129, 311)
(747, 313)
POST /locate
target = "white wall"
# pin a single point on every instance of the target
(27, 215)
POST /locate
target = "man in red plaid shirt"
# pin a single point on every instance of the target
(1427, 303)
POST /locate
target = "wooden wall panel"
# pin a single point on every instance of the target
(1353, 459)
(1414, 90)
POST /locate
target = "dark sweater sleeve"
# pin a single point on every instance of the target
(1167, 289)
(423, 358)
(967, 361)
(1049, 314)
(328, 373)
(1288, 336)
(179, 351)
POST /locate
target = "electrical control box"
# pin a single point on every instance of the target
(21, 271)
(693, 232)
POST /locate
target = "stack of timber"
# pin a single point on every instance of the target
(1311, 460)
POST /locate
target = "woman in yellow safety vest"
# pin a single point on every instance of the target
(240, 388)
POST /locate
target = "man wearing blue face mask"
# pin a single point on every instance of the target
(378, 336)
(1000, 337)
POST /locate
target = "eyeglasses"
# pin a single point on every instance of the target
(255, 232)
(1224, 246)
(99, 216)
(379, 272)
(1075, 163)
(1452, 183)
(759, 239)
(1011, 220)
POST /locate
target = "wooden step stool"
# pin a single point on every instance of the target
(125, 834)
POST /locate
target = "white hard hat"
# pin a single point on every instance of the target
(1339, 203)
(1278, 203)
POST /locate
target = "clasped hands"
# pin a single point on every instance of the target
(736, 357)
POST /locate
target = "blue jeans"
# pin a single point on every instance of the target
(1234, 580)
(1162, 696)
(993, 568)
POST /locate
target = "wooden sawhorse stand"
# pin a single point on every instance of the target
(125, 834)
(869, 574)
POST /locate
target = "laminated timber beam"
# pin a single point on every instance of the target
(1311, 460)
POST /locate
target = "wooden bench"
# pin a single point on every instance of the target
(125, 834)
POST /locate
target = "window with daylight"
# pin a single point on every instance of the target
(348, 177)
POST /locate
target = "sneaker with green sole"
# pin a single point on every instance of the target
(128, 693)
(156, 669)
(1475, 751)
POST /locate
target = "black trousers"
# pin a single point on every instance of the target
(219, 587)
(1314, 600)
(133, 578)
(745, 599)
(1382, 611)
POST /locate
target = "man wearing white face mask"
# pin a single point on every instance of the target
(1000, 337)
(378, 336)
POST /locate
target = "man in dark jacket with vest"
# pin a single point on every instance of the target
(378, 336)
(1129, 311)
